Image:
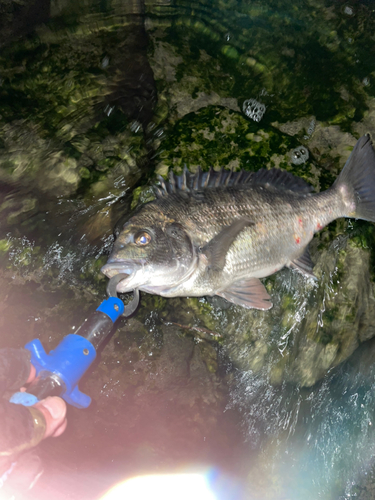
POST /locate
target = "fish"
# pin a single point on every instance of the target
(219, 233)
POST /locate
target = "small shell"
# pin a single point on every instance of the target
(299, 155)
(254, 109)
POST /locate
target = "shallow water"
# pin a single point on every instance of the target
(95, 98)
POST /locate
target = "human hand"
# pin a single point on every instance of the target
(53, 409)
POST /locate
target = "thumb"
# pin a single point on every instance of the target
(54, 411)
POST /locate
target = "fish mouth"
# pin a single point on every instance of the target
(113, 282)
(113, 268)
(130, 307)
(120, 277)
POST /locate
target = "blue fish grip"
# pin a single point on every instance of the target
(69, 361)
(73, 356)
(113, 307)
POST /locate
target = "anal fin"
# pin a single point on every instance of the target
(304, 264)
(249, 293)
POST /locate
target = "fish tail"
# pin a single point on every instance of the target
(356, 183)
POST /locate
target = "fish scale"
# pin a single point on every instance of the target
(254, 252)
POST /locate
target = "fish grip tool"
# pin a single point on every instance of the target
(58, 373)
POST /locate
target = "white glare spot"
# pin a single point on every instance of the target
(163, 487)
(108, 109)
(366, 81)
(104, 62)
(135, 126)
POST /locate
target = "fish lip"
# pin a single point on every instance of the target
(111, 269)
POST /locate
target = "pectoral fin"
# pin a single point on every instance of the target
(217, 248)
(249, 293)
(304, 264)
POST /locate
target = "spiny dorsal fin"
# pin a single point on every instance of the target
(197, 179)
(273, 179)
(280, 180)
(171, 186)
(201, 180)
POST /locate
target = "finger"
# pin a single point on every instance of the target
(32, 374)
(60, 429)
(54, 411)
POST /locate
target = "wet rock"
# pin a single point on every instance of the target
(312, 327)
(266, 67)
(63, 150)
(197, 139)
(186, 92)
(296, 127)
(14, 211)
(367, 124)
(132, 87)
(163, 391)
(20, 18)
(330, 141)
(28, 160)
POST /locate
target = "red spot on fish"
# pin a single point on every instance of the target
(297, 239)
(300, 222)
(319, 226)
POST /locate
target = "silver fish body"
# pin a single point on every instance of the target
(218, 233)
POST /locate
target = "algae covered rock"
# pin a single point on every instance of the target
(65, 124)
(26, 158)
(220, 137)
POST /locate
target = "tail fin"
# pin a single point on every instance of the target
(357, 180)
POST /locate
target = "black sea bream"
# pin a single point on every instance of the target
(217, 233)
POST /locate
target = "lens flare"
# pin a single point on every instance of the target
(163, 487)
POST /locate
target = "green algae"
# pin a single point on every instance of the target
(4, 245)
(203, 311)
(268, 61)
(141, 195)
(197, 139)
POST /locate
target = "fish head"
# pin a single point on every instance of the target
(156, 253)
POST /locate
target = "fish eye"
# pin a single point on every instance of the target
(142, 239)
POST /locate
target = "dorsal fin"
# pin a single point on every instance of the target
(277, 179)
(273, 179)
(171, 186)
(201, 180)
(197, 179)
